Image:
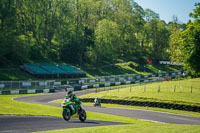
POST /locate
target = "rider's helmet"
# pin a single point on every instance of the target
(69, 94)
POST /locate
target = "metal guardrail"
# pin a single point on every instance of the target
(125, 79)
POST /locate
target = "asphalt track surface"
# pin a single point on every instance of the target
(155, 116)
(23, 124)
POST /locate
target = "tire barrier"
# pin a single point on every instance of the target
(148, 104)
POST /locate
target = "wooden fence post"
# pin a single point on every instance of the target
(159, 88)
(174, 88)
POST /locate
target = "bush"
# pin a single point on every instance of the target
(132, 65)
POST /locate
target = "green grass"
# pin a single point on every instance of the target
(16, 75)
(149, 92)
(21, 75)
(124, 68)
(119, 69)
(10, 107)
(133, 128)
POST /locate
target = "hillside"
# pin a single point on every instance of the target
(117, 69)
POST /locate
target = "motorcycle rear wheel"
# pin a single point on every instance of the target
(66, 114)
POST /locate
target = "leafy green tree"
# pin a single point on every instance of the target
(174, 40)
(79, 31)
(190, 44)
(150, 14)
(107, 43)
(157, 38)
(175, 51)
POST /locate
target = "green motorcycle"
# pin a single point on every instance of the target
(71, 110)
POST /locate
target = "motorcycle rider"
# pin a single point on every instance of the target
(97, 102)
(73, 97)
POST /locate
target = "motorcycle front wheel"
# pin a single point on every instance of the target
(66, 114)
(82, 115)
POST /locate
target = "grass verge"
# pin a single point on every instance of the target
(126, 68)
(144, 127)
(176, 92)
(10, 107)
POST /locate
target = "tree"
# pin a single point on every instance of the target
(149, 15)
(190, 44)
(157, 38)
(79, 31)
(174, 43)
(107, 43)
(175, 30)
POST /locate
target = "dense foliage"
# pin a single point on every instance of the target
(92, 32)
(185, 44)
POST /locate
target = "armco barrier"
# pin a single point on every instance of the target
(137, 80)
(31, 91)
(24, 91)
(148, 104)
(5, 92)
(77, 87)
(112, 84)
(14, 91)
(102, 85)
(124, 78)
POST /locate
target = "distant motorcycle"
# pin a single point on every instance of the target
(70, 109)
(97, 102)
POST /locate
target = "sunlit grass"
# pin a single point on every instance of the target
(10, 107)
(180, 92)
(143, 127)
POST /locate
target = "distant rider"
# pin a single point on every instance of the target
(96, 100)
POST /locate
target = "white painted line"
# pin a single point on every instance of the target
(54, 100)
(32, 96)
(153, 121)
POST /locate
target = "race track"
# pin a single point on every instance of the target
(132, 113)
(23, 124)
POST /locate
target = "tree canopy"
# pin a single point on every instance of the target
(94, 32)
